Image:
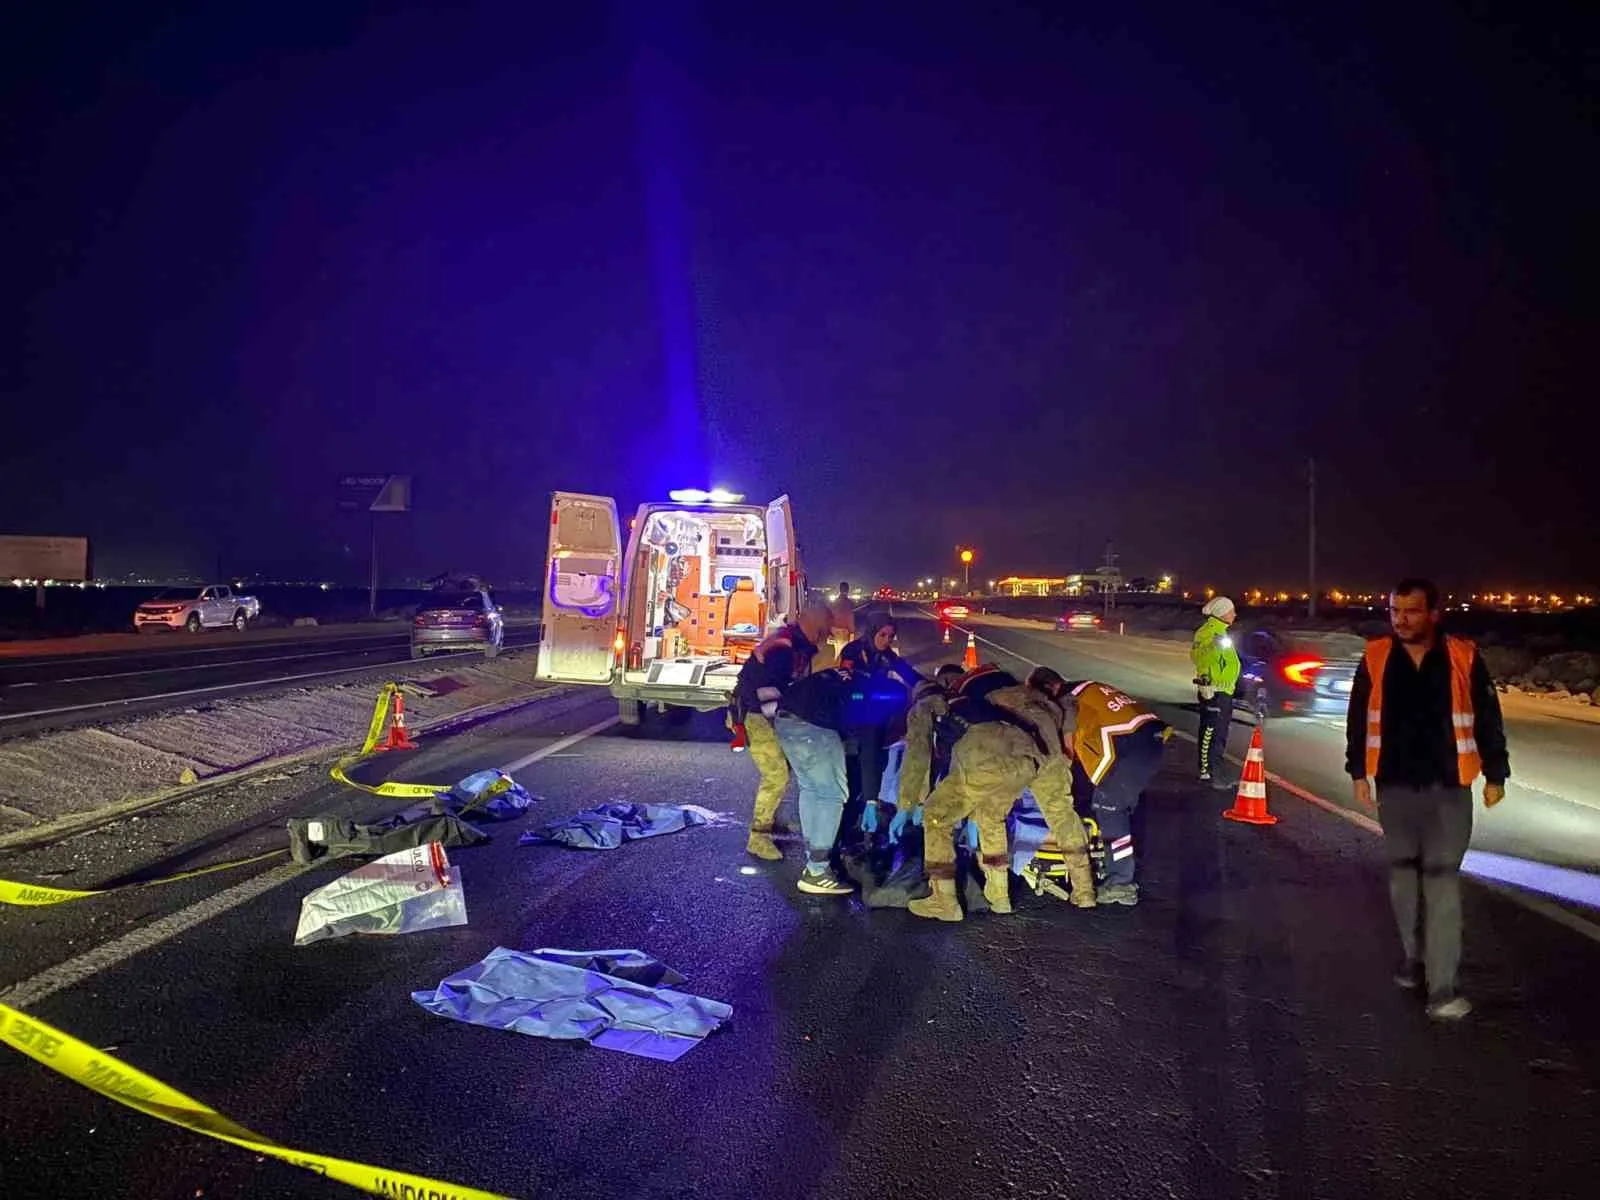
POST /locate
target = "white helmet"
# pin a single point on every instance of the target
(1218, 606)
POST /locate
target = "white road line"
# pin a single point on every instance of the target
(84, 966)
(1528, 900)
(270, 681)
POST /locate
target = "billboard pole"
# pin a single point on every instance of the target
(372, 590)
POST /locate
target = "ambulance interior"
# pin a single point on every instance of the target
(699, 585)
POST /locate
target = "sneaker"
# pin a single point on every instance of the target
(1205, 776)
(1118, 893)
(1220, 784)
(825, 884)
(1451, 1008)
(1409, 977)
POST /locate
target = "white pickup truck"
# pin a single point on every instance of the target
(214, 607)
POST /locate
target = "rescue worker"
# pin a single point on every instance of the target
(1009, 737)
(926, 759)
(889, 679)
(1216, 675)
(1424, 723)
(1118, 744)
(780, 660)
(813, 714)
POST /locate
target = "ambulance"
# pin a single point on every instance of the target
(666, 623)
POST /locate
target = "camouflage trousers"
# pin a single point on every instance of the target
(990, 767)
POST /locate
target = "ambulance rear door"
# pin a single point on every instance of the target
(581, 590)
(786, 582)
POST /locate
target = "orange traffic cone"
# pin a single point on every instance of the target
(399, 739)
(947, 635)
(1250, 805)
(969, 660)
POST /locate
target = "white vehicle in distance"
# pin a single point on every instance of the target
(216, 606)
(668, 624)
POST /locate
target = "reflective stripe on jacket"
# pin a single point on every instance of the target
(1104, 714)
(1463, 718)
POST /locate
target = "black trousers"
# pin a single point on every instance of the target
(1216, 718)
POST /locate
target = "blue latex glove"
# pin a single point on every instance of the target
(969, 835)
(869, 817)
(898, 825)
(916, 816)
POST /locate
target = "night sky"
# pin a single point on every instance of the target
(1022, 276)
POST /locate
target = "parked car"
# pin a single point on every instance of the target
(1079, 619)
(458, 617)
(1288, 672)
(216, 606)
(954, 610)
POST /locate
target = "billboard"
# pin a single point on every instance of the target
(63, 558)
(375, 493)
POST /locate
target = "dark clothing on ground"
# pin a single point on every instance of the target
(1419, 740)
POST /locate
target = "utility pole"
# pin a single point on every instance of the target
(1311, 535)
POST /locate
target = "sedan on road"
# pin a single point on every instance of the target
(464, 619)
(1078, 619)
(1287, 672)
(954, 610)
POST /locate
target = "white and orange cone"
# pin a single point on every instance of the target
(1250, 805)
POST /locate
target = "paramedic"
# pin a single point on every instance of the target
(888, 680)
(1118, 743)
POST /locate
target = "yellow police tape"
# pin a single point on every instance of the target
(37, 895)
(29, 895)
(374, 732)
(110, 1077)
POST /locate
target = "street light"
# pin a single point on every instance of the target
(966, 568)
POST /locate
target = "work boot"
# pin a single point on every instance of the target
(997, 889)
(762, 846)
(942, 905)
(1080, 877)
(1118, 893)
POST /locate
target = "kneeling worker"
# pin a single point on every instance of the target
(1118, 742)
(1013, 737)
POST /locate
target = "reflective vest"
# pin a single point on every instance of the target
(1104, 714)
(1462, 717)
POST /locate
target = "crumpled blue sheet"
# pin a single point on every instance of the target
(492, 794)
(607, 826)
(610, 998)
(1028, 830)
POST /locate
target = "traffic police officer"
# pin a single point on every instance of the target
(1216, 675)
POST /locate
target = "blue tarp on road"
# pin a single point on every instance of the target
(609, 998)
(607, 826)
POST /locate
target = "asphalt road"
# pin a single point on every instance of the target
(1234, 1036)
(56, 690)
(1551, 813)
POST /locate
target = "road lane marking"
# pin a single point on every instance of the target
(1518, 894)
(270, 681)
(114, 953)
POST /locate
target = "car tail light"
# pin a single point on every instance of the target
(482, 620)
(618, 645)
(1301, 670)
(421, 620)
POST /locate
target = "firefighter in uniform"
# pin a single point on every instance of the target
(1216, 674)
(1006, 737)
(1118, 744)
(779, 661)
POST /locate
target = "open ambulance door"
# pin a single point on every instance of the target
(786, 583)
(582, 579)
